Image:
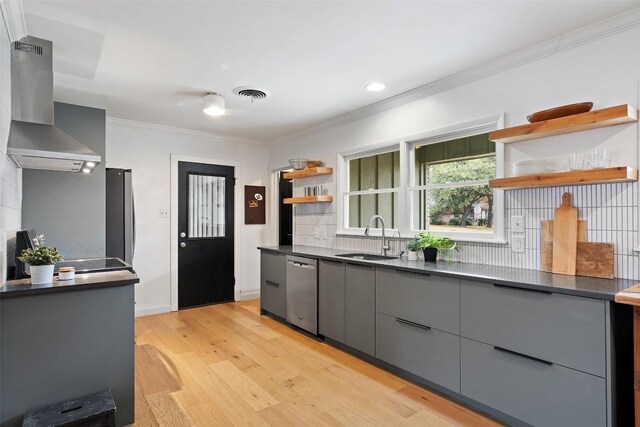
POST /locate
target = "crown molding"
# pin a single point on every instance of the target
(13, 15)
(567, 41)
(184, 131)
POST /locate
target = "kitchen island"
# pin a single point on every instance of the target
(524, 346)
(65, 340)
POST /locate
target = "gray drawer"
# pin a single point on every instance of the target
(562, 329)
(428, 353)
(422, 298)
(534, 392)
(273, 269)
(331, 300)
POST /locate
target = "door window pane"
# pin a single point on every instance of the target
(206, 210)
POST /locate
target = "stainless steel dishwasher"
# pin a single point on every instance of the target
(302, 293)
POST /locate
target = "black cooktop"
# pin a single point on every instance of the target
(95, 265)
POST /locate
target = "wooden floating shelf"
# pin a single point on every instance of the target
(307, 173)
(578, 122)
(308, 199)
(582, 177)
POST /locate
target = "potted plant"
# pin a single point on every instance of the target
(41, 261)
(413, 247)
(431, 244)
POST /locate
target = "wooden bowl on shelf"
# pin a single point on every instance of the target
(313, 163)
(557, 112)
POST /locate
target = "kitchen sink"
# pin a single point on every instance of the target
(368, 257)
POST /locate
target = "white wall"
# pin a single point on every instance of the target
(10, 176)
(605, 71)
(146, 149)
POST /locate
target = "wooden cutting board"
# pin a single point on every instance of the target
(592, 259)
(565, 237)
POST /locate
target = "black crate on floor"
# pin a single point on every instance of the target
(96, 410)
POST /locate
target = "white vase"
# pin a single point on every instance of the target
(413, 256)
(41, 274)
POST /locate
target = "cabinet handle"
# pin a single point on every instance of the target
(360, 265)
(415, 273)
(515, 353)
(269, 282)
(417, 325)
(333, 261)
(538, 291)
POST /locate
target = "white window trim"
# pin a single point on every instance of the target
(407, 180)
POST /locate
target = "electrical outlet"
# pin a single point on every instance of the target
(323, 234)
(164, 213)
(517, 243)
(316, 233)
(517, 224)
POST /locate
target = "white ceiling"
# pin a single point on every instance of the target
(153, 60)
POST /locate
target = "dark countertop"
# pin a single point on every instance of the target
(23, 287)
(591, 287)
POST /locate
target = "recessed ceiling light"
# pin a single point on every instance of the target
(90, 164)
(375, 87)
(214, 104)
(86, 170)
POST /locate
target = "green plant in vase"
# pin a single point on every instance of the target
(41, 262)
(430, 244)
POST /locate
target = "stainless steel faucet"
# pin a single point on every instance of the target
(384, 247)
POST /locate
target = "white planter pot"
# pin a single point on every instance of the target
(41, 274)
(413, 256)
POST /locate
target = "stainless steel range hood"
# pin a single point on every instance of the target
(34, 142)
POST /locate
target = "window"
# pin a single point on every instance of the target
(450, 189)
(437, 181)
(373, 186)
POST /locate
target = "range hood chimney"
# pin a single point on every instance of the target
(34, 142)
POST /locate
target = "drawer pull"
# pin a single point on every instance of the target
(522, 289)
(417, 325)
(515, 353)
(269, 282)
(332, 261)
(360, 265)
(415, 273)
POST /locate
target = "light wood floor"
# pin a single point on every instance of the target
(227, 365)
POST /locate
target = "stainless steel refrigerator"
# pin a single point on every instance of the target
(120, 226)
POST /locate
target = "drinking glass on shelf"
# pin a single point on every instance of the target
(602, 159)
(576, 161)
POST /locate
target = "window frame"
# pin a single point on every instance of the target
(406, 145)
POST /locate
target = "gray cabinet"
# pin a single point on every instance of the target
(426, 352)
(332, 299)
(361, 308)
(537, 393)
(423, 298)
(273, 272)
(563, 329)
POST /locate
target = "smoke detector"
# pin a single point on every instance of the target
(251, 92)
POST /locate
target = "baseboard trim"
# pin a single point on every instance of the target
(153, 310)
(247, 295)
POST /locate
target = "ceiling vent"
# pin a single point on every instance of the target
(251, 92)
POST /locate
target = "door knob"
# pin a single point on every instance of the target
(183, 245)
(183, 234)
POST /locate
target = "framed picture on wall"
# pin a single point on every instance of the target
(254, 204)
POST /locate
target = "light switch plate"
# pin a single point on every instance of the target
(517, 243)
(517, 224)
(164, 213)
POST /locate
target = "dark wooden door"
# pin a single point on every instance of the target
(205, 234)
(286, 211)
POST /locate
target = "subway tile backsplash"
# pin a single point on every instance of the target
(611, 212)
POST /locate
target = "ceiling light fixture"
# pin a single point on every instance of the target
(86, 170)
(213, 104)
(90, 164)
(375, 87)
